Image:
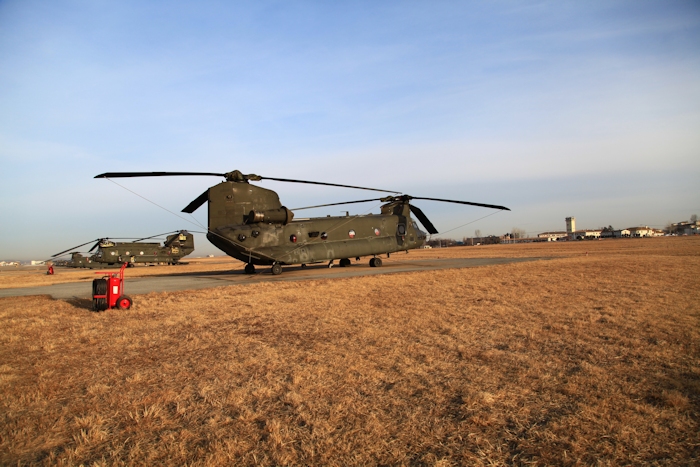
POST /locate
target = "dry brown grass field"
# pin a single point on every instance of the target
(591, 357)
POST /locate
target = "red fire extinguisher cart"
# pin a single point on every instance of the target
(108, 292)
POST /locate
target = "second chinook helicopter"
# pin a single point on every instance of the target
(249, 223)
(113, 254)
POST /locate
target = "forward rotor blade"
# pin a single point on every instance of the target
(492, 206)
(69, 249)
(337, 204)
(194, 205)
(155, 174)
(232, 176)
(423, 219)
(326, 184)
(97, 243)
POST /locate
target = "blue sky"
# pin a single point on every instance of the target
(554, 109)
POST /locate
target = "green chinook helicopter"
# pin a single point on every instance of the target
(113, 254)
(249, 223)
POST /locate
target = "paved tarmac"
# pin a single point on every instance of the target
(205, 280)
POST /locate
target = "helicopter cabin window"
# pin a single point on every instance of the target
(314, 234)
(401, 229)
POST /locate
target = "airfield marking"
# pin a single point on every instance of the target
(205, 280)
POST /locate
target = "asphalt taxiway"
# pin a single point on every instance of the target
(205, 280)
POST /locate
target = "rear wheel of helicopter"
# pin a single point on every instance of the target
(250, 268)
(276, 269)
(375, 262)
(344, 262)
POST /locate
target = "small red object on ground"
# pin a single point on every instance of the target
(108, 292)
(50, 270)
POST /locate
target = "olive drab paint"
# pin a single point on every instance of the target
(110, 253)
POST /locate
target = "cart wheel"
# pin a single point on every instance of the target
(99, 287)
(99, 304)
(124, 302)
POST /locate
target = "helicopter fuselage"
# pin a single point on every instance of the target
(313, 240)
(111, 253)
(250, 224)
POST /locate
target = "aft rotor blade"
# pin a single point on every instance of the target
(326, 184)
(154, 236)
(337, 204)
(423, 219)
(155, 174)
(75, 247)
(194, 205)
(492, 206)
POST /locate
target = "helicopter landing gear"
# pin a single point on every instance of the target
(250, 268)
(375, 263)
(276, 269)
(303, 266)
(344, 262)
(330, 264)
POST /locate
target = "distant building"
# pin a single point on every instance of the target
(686, 228)
(37, 263)
(586, 234)
(645, 231)
(570, 226)
(552, 236)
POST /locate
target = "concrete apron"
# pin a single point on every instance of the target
(194, 281)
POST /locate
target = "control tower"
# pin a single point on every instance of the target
(570, 226)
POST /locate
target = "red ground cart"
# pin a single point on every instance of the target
(108, 292)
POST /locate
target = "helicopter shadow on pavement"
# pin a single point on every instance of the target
(258, 270)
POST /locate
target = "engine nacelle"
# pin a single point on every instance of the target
(272, 216)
